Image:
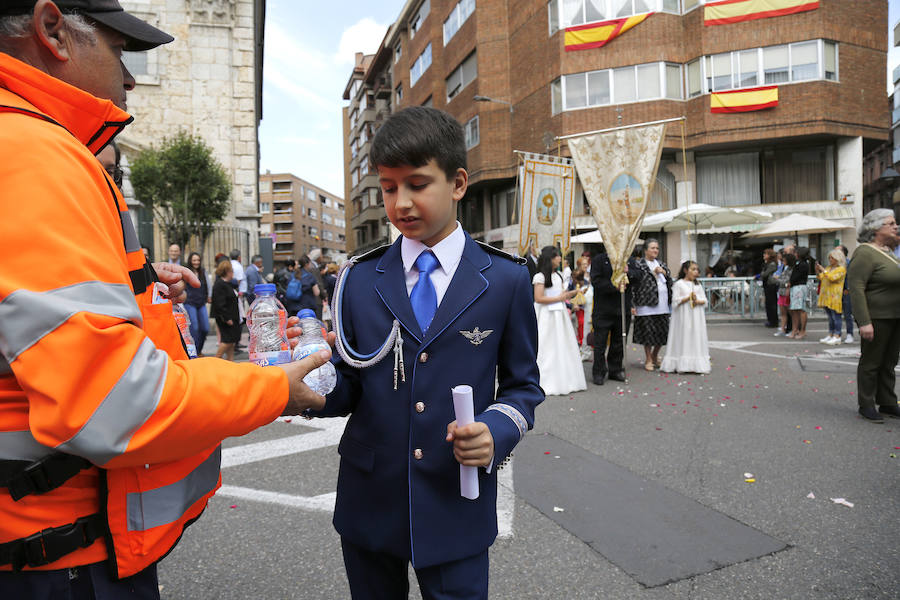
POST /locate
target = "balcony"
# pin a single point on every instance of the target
(382, 86)
(286, 216)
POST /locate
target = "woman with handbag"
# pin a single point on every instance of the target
(652, 298)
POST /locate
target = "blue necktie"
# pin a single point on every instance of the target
(423, 296)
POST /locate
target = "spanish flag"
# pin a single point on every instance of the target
(594, 35)
(744, 100)
(735, 11)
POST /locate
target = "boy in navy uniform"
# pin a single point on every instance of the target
(466, 317)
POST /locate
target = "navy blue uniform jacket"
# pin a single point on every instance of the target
(388, 500)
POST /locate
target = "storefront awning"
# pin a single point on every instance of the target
(832, 211)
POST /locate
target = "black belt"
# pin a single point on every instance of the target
(49, 545)
(23, 478)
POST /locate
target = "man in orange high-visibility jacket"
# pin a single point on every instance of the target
(109, 437)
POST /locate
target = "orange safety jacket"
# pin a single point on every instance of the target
(90, 370)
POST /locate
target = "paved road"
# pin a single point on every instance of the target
(781, 410)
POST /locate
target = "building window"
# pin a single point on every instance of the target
(313, 231)
(399, 92)
(566, 13)
(651, 81)
(799, 174)
(312, 213)
(311, 195)
(282, 186)
(364, 166)
(776, 64)
(398, 52)
(831, 61)
(429, 102)
(462, 76)
(265, 186)
(354, 178)
(556, 104)
(472, 133)
(458, 16)
(694, 78)
(804, 61)
(264, 207)
(728, 179)
(748, 68)
(136, 63)
(416, 22)
(420, 66)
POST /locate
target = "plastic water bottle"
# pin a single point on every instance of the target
(323, 379)
(184, 327)
(267, 322)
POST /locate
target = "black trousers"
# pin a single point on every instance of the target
(771, 296)
(90, 582)
(609, 359)
(875, 376)
(380, 576)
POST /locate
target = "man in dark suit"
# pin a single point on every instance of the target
(606, 319)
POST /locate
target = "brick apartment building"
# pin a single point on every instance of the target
(300, 217)
(502, 69)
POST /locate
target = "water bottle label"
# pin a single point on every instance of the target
(301, 352)
(265, 359)
(191, 350)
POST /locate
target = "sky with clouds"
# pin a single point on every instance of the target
(309, 57)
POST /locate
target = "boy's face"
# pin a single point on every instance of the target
(421, 201)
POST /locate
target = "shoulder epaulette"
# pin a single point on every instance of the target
(498, 252)
(377, 252)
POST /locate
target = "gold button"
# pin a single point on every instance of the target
(420, 407)
(423, 358)
(418, 453)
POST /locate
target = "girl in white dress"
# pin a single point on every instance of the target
(687, 347)
(558, 358)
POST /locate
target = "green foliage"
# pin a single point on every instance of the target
(184, 185)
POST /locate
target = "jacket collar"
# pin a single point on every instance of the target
(93, 121)
(467, 285)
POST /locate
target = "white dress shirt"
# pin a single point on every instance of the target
(448, 252)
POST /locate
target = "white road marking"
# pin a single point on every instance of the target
(329, 434)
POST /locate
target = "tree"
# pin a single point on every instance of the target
(184, 185)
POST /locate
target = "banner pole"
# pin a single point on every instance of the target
(624, 333)
(574, 135)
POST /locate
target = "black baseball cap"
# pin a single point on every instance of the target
(139, 34)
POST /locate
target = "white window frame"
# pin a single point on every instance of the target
(419, 67)
(264, 208)
(460, 72)
(457, 17)
(613, 100)
(471, 143)
(421, 14)
(557, 6)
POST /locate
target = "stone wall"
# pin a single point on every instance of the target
(203, 82)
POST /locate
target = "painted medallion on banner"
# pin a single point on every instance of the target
(547, 207)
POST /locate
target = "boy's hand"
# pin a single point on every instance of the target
(473, 445)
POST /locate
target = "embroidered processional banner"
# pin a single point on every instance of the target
(617, 170)
(547, 189)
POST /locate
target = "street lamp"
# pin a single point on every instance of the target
(486, 99)
(889, 179)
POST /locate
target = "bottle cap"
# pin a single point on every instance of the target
(262, 288)
(307, 313)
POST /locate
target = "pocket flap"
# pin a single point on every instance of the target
(357, 454)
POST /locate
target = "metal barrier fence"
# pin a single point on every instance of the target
(744, 296)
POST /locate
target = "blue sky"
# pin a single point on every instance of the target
(308, 61)
(309, 56)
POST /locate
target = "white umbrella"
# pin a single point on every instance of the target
(591, 237)
(796, 223)
(692, 216)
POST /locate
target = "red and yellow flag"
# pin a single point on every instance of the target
(594, 35)
(744, 100)
(735, 11)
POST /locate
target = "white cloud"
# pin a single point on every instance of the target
(363, 36)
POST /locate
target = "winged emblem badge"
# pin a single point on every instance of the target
(476, 336)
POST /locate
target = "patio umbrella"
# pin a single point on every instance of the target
(592, 237)
(796, 223)
(692, 216)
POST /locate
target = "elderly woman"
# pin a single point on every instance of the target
(831, 291)
(874, 282)
(652, 298)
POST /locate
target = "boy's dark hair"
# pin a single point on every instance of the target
(416, 135)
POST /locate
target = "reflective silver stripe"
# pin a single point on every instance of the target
(514, 415)
(167, 504)
(27, 316)
(131, 239)
(127, 406)
(21, 445)
(5, 369)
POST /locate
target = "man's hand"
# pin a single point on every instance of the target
(473, 445)
(174, 277)
(867, 332)
(301, 397)
(293, 333)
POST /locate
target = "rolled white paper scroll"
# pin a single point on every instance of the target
(464, 407)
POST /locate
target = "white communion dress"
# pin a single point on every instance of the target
(687, 348)
(558, 358)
